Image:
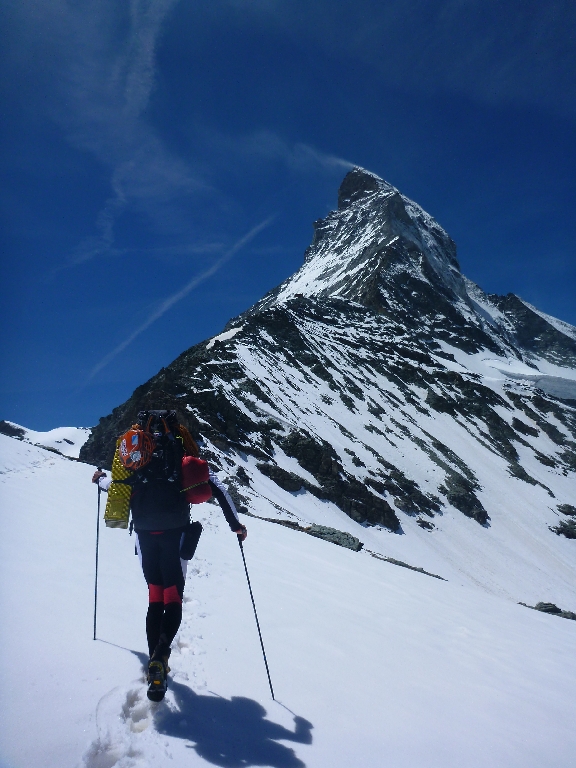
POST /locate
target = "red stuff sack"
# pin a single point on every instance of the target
(195, 476)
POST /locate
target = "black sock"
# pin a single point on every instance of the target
(171, 621)
(154, 625)
(169, 625)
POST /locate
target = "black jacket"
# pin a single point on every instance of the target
(158, 505)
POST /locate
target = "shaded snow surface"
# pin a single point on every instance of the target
(374, 665)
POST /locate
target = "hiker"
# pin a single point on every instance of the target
(161, 520)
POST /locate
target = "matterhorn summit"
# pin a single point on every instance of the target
(374, 230)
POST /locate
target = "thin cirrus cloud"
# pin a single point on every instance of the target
(179, 295)
(99, 81)
(297, 157)
(100, 86)
(269, 147)
(110, 94)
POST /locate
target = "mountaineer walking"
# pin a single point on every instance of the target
(156, 475)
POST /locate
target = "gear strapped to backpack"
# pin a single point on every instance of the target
(117, 511)
(156, 449)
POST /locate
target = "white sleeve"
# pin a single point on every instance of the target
(223, 497)
(104, 482)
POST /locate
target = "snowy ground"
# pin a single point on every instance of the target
(373, 665)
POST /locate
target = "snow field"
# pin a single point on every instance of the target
(66, 440)
(373, 664)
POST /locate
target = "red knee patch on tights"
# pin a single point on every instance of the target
(171, 595)
(155, 593)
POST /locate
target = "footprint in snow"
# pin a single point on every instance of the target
(117, 739)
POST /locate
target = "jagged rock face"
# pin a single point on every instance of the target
(377, 377)
(533, 332)
(377, 249)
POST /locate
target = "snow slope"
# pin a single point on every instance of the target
(372, 664)
(65, 440)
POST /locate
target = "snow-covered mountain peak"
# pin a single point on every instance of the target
(377, 389)
(376, 234)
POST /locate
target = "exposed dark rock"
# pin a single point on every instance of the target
(50, 448)
(348, 401)
(355, 460)
(240, 501)
(357, 184)
(552, 609)
(10, 430)
(565, 528)
(569, 459)
(516, 470)
(567, 509)
(460, 493)
(546, 460)
(404, 565)
(407, 496)
(351, 496)
(288, 481)
(534, 333)
(340, 538)
(547, 608)
(440, 403)
(552, 431)
(525, 429)
(242, 476)
(333, 535)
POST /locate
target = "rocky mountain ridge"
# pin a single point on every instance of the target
(379, 380)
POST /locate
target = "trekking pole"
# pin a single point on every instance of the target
(97, 543)
(256, 617)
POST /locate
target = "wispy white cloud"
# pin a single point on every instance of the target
(95, 64)
(297, 156)
(100, 70)
(179, 295)
(270, 147)
(144, 173)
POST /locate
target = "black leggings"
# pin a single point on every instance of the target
(163, 570)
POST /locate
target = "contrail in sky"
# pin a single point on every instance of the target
(176, 297)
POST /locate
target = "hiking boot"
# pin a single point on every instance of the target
(157, 680)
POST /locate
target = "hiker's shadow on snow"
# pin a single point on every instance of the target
(230, 732)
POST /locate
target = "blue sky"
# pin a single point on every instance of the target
(163, 162)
